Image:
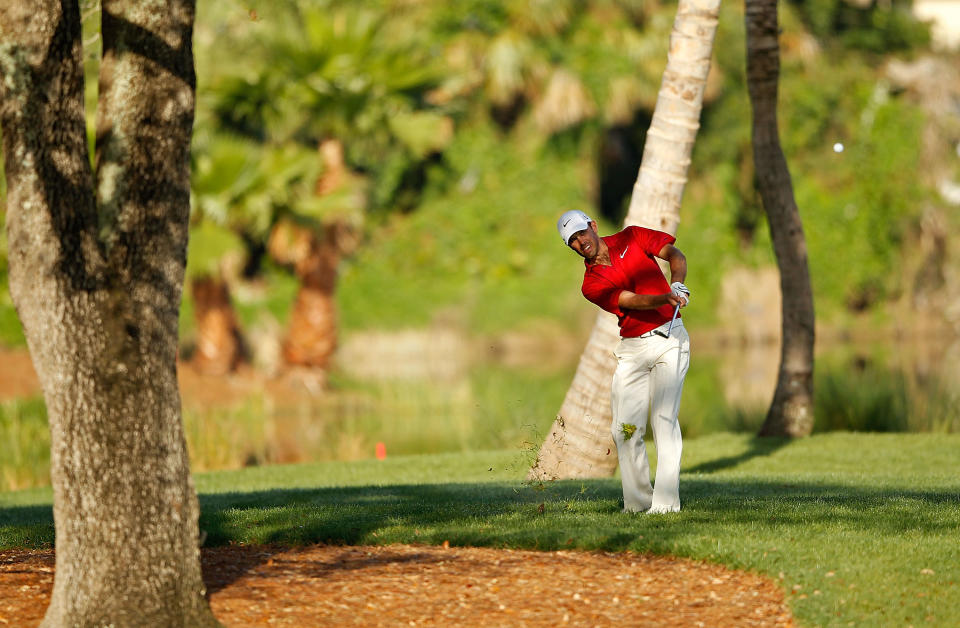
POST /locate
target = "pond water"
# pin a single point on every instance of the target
(428, 392)
(437, 391)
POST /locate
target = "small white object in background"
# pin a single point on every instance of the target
(838, 147)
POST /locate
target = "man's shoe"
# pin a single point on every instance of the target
(662, 510)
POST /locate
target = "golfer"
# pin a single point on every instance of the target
(622, 276)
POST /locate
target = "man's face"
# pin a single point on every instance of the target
(586, 242)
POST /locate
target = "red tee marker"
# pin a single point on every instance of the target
(381, 451)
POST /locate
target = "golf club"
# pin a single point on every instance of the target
(676, 310)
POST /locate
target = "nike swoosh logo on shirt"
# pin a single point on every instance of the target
(624, 252)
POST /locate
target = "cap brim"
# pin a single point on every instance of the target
(573, 227)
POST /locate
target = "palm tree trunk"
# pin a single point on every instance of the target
(579, 442)
(577, 446)
(791, 411)
(219, 343)
(315, 254)
(312, 332)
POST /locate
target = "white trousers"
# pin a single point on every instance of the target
(649, 382)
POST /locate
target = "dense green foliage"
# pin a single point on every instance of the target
(480, 245)
(24, 444)
(872, 27)
(482, 121)
(867, 538)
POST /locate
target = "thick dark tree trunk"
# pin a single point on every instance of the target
(97, 284)
(791, 412)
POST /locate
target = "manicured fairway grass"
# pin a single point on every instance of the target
(861, 528)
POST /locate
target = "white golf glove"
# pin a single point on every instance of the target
(681, 291)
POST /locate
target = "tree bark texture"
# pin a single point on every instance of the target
(579, 441)
(96, 272)
(791, 411)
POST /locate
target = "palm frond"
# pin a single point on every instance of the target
(506, 65)
(422, 132)
(565, 103)
(542, 17)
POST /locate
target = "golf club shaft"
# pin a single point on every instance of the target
(676, 311)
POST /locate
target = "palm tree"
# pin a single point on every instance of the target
(241, 186)
(791, 411)
(315, 255)
(220, 347)
(349, 84)
(577, 443)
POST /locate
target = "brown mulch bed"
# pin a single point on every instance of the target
(442, 586)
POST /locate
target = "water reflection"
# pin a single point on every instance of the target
(896, 381)
(430, 392)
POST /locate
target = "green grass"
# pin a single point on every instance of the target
(24, 443)
(854, 527)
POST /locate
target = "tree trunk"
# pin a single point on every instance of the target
(219, 344)
(577, 445)
(791, 412)
(312, 333)
(100, 311)
(579, 441)
(315, 255)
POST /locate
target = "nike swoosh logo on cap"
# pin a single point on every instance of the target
(568, 222)
(624, 252)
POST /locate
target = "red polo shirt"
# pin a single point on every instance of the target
(633, 267)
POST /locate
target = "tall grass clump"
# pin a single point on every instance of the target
(491, 408)
(24, 444)
(227, 437)
(883, 399)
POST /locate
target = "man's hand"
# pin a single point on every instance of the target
(680, 291)
(673, 300)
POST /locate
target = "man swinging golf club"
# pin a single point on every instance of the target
(622, 276)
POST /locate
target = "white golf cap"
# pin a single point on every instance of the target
(572, 222)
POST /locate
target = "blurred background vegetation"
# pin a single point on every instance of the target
(394, 170)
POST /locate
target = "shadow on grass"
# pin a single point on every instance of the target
(758, 447)
(582, 515)
(26, 527)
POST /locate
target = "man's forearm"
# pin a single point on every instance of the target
(676, 260)
(633, 301)
(678, 267)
